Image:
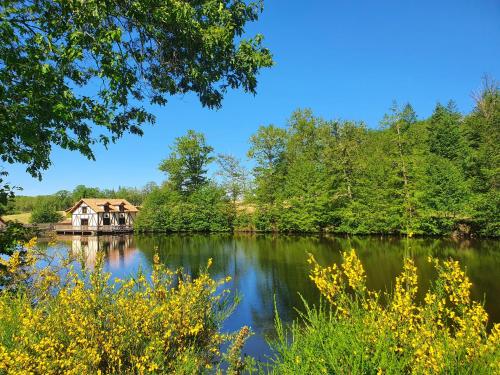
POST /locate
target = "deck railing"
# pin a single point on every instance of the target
(93, 228)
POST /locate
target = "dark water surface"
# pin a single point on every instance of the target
(265, 268)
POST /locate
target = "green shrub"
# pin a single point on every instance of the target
(244, 221)
(45, 213)
(204, 210)
(357, 331)
(86, 323)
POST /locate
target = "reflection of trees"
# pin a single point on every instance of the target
(190, 251)
(281, 262)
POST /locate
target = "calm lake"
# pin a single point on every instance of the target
(265, 268)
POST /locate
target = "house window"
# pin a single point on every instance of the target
(84, 210)
(84, 222)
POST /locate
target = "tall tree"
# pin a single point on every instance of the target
(82, 191)
(305, 195)
(267, 147)
(444, 136)
(399, 122)
(482, 133)
(234, 176)
(348, 139)
(186, 165)
(344, 157)
(76, 73)
(443, 188)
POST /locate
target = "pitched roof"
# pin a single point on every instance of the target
(98, 205)
(2, 221)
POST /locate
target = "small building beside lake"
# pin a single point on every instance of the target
(94, 216)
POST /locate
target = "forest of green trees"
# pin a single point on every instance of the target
(434, 176)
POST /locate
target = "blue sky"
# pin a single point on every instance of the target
(343, 59)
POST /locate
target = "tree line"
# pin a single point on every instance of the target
(64, 199)
(435, 176)
(411, 176)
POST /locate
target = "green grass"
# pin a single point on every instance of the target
(322, 344)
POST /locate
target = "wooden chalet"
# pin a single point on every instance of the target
(95, 216)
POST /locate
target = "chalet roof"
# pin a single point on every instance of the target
(99, 204)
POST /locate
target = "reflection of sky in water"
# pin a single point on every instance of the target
(265, 268)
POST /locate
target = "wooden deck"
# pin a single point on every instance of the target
(93, 230)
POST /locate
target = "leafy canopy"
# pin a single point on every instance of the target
(234, 176)
(186, 165)
(75, 73)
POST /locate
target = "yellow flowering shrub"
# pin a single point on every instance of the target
(445, 333)
(86, 323)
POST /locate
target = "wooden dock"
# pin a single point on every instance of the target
(93, 230)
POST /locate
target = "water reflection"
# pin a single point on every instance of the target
(267, 268)
(122, 257)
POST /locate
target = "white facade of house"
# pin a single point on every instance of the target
(100, 215)
(84, 215)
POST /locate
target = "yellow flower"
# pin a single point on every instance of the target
(119, 325)
(447, 324)
(354, 271)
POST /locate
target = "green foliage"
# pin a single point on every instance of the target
(186, 165)
(234, 176)
(6, 193)
(45, 213)
(189, 200)
(244, 221)
(445, 139)
(481, 131)
(322, 343)
(11, 235)
(267, 147)
(73, 74)
(85, 323)
(358, 331)
(11, 238)
(435, 176)
(207, 209)
(432, 176)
